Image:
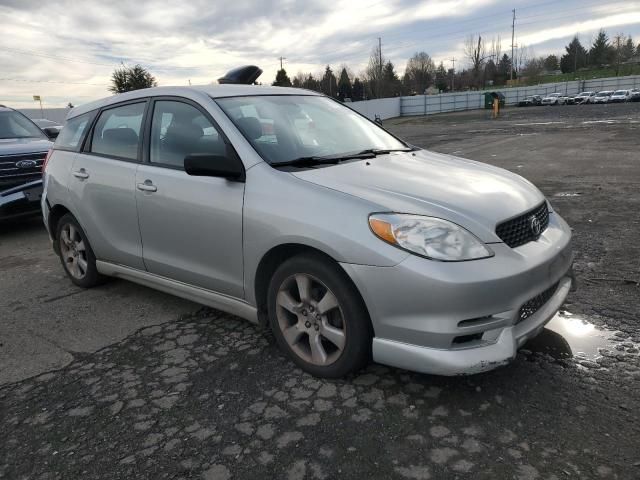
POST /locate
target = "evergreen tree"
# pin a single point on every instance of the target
(358, 90)
(282, 79)
(344, 85)
(628, 50)
(126, 79)
(504, 70)
(491, 74)
(600, 52)
(442, 82)
(575, 58)
(390, 82)
(329, 84)
(551, 63)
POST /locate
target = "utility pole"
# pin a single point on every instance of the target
(380, 61)
(513, 32)
(281, 60)
(453, 72)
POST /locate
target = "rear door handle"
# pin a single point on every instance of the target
(81, 174)
(147, 186)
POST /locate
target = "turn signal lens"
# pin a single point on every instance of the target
(382, 229)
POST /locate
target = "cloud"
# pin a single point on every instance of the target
(79, 44)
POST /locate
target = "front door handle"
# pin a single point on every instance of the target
(147, 186)
(81, 174)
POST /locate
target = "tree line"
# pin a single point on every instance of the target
(487, 65)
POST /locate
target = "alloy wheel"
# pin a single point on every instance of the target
(310, 319)
(74, 252)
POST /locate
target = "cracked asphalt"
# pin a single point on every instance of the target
(124, 382)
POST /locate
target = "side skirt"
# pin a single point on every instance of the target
(180, 289)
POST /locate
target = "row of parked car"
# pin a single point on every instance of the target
(605, 96)
(24, 144)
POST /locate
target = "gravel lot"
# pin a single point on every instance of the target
(124, 382)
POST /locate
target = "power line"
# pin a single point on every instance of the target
(5, 79)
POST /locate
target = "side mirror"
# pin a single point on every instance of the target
(51, 132)
(206, 165)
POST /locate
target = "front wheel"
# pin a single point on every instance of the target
(318, 317)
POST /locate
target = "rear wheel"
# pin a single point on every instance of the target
(318, 317)
(76, 254)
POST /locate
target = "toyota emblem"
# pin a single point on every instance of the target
(26, 164)
(534, 225)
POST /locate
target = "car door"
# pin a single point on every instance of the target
(102, 184)
(191, 226)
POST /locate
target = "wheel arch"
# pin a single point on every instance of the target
(273, 258)
(56, 212)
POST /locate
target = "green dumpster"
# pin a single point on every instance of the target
(490, 96)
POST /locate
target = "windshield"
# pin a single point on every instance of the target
(283, 128)
(620, 92)
(16, 125)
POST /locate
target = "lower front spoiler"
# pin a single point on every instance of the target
(467, 361)
(21, 201)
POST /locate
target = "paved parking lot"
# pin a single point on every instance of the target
(124, 382)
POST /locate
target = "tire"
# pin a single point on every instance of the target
(305, 328)
(76, 254)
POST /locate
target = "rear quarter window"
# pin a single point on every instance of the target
(73, 132)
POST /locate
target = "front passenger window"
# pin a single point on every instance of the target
(178, 130)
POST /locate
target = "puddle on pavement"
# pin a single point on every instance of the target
(568, 335)
(568, 194)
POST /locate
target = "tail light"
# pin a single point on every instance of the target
(46, 159)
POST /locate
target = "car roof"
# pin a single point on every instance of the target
(214, 91)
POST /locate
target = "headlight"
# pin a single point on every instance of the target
(428, 237)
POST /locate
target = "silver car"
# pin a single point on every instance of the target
(291, 210)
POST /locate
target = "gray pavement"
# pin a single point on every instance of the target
(124, 382)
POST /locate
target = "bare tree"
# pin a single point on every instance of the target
(523, 56)
(474, 50)
(419, 72)
(374, 70)
(495, 51)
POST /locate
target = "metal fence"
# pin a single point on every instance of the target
(453, 102)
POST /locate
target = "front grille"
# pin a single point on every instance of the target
(518, 231)
(533, 305)
(12, 175)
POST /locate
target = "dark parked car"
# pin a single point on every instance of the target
(23, 148)
(530, 101)
(50, 128)
(635, 95)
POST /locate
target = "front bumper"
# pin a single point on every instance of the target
(451, 318)
(21, 201)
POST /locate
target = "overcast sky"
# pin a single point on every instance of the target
(65, 50)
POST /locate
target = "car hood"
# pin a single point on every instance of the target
(472, 194)
(16, 146)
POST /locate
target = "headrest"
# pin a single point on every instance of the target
(250, 126)
(125, 136)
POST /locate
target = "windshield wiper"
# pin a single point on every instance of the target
(327, 160)
(333, 159)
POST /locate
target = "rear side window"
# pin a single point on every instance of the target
(71, 136)
(118, 130)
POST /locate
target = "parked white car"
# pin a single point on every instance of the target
(602, 97)
(584, 97)
(554, 99)
(620, 96)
